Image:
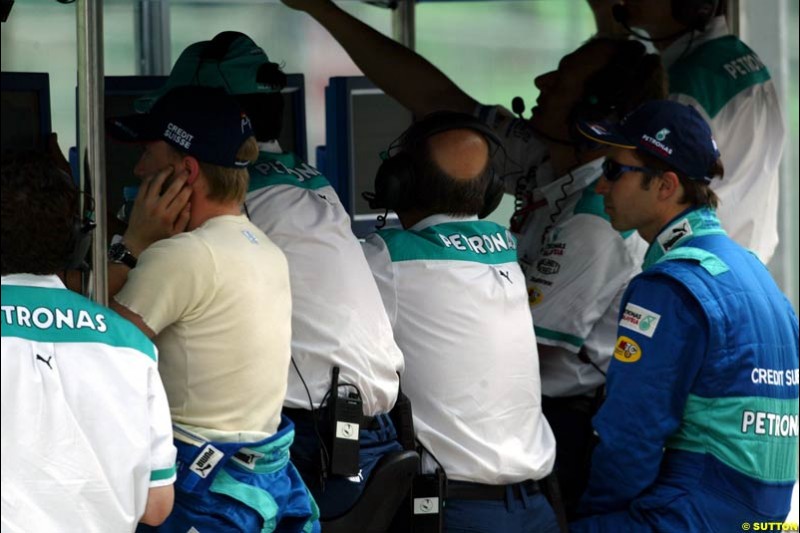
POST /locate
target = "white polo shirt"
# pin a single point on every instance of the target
(86, 430)
(338, 317)
(726, 82)
(457, 301)
(576, 265)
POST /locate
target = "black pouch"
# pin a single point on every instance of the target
(428, 493)
(346, 417)
(403, 421)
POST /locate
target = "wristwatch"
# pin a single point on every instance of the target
(119, 253)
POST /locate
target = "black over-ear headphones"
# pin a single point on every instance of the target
(397, 171)
(83, 225)
(79, 242)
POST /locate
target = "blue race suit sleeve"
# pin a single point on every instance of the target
(647, 390)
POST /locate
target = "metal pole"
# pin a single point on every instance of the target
(403, 23)
(152, 38)
(92, 132)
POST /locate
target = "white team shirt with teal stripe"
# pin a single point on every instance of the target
(728, 84)
(457, 302)
(86, 429)
(337, 315)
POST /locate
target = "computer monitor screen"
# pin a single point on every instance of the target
(361, 122)
(25, 110)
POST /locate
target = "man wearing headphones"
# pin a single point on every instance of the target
(216, 299)
(87, 442)
(716, 73)
(338, 319)
(699, 429)
(576, 265)
(457, 302)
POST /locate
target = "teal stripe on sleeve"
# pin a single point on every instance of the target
(57, 315)
(558, 336)
(162, 474)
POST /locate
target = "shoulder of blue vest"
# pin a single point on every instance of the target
(709, 261)
(716, 72)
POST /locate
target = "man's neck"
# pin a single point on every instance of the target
(208, 210)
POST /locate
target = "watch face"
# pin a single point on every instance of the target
(117, 251)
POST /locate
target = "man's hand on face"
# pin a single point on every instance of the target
(158, 215)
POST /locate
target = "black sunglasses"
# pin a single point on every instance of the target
(614, 171)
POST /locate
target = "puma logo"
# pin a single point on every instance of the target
(45, 361)
(504, 273)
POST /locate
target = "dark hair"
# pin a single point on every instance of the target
(432, 190)
(266, 109)
(39, 214)
(695, 193)
(630, 78)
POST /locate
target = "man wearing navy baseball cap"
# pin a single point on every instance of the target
(212, 291)
(699, 428)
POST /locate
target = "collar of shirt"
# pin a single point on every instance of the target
(693, 222)
(272, 147)
(573, 181)
(687, 43)
(434, 220)
(33, 280)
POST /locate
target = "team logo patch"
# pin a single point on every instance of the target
(249, 236)
(548, 267)
(670, 236)
(206, 461)
(535, 295)
(640, 320)
(627, 350)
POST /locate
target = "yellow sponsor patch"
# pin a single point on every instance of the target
(627, 350)
(535, 295)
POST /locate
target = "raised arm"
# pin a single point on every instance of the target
(401, 73)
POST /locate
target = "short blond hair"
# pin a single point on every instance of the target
(228, 184)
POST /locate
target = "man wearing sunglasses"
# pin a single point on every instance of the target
(699, 428)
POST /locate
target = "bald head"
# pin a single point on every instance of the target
(462, 153)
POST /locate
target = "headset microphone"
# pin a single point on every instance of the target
(518, 106)
(620, 14)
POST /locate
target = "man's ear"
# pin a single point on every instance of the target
(669, 186)
(191, 167)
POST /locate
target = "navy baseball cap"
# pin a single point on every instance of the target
(672, 132)
(203, 122)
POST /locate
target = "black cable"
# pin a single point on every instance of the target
(559, 205)
(324, 455)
